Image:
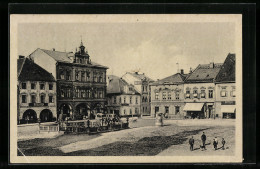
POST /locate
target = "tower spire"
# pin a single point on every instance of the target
(81, 43)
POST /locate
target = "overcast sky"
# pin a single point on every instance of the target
(154, 48)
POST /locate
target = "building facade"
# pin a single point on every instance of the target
(200, 92)
(123, 99)
(226, 89)
(141, 85)
(36, 93)
(167, 96)
(81, 83)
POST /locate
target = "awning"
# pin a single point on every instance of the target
(228, 108)
(193, 106)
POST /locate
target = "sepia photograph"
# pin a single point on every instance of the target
(143, 88)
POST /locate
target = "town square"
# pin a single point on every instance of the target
(136, 88)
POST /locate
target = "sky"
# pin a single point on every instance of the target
(150, 48)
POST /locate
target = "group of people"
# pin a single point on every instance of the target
(203, 139)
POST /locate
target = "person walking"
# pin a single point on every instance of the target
(203, 139)
(223, 144)
(215, 143)
(191, 142)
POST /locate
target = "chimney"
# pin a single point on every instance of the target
(211, 65)
(21, 57)
(190, 70)
(182, 71)
(53, 49)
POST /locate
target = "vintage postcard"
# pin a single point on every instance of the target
(153, 88)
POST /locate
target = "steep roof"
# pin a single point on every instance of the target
(33, 72)
(116, 85)
(64, 58)
(227, 72)
(20, 63)
(140, 76)
(173, 79)
(204, 73)
(58, 56)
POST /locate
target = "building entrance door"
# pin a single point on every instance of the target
(156, 111)
(210, 108)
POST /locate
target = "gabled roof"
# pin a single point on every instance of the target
(33, 72)
(227, 72)
(140, 76)
(204, 73)
(58, 56)
(20, 63)
(116, 85)
(173, 79)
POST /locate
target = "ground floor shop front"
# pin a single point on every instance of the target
(226, 109)
(200, 110)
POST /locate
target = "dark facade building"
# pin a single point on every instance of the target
(81, 83)
(36, 93)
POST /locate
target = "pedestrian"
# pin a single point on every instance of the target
(203, 139)
(215, 143)
(191, 142)
(223, 144)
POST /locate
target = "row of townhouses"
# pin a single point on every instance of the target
(207, 92)
(53, 85)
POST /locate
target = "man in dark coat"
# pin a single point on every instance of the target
(203, 139)
(191, 142)
(223, 143)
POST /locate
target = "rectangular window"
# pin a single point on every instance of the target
(88, 76)
(130, 99)
(177, 109)
(50, 86)
(114, 99)
(169, 96)
(136, 100)
(42, 86)
(88, 93)
(210, 93)
(136, 110)
(187, 94)
(131, 111)
(164, 95)
(195, 93)
(83, 76)
(166, 109)
(83, 93)
(42, 99)
(100, 94)
(100, 78)
(23, 85)
(233, 93)
(33, 98)
(223, 93)
(77, 75)
(24, 100)
(62, 93)
(203, 94)
(177, 95)
(145, 88)
(50, 99)
(32, 85)
(124, 99)
(156, 96)
(62, 76)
